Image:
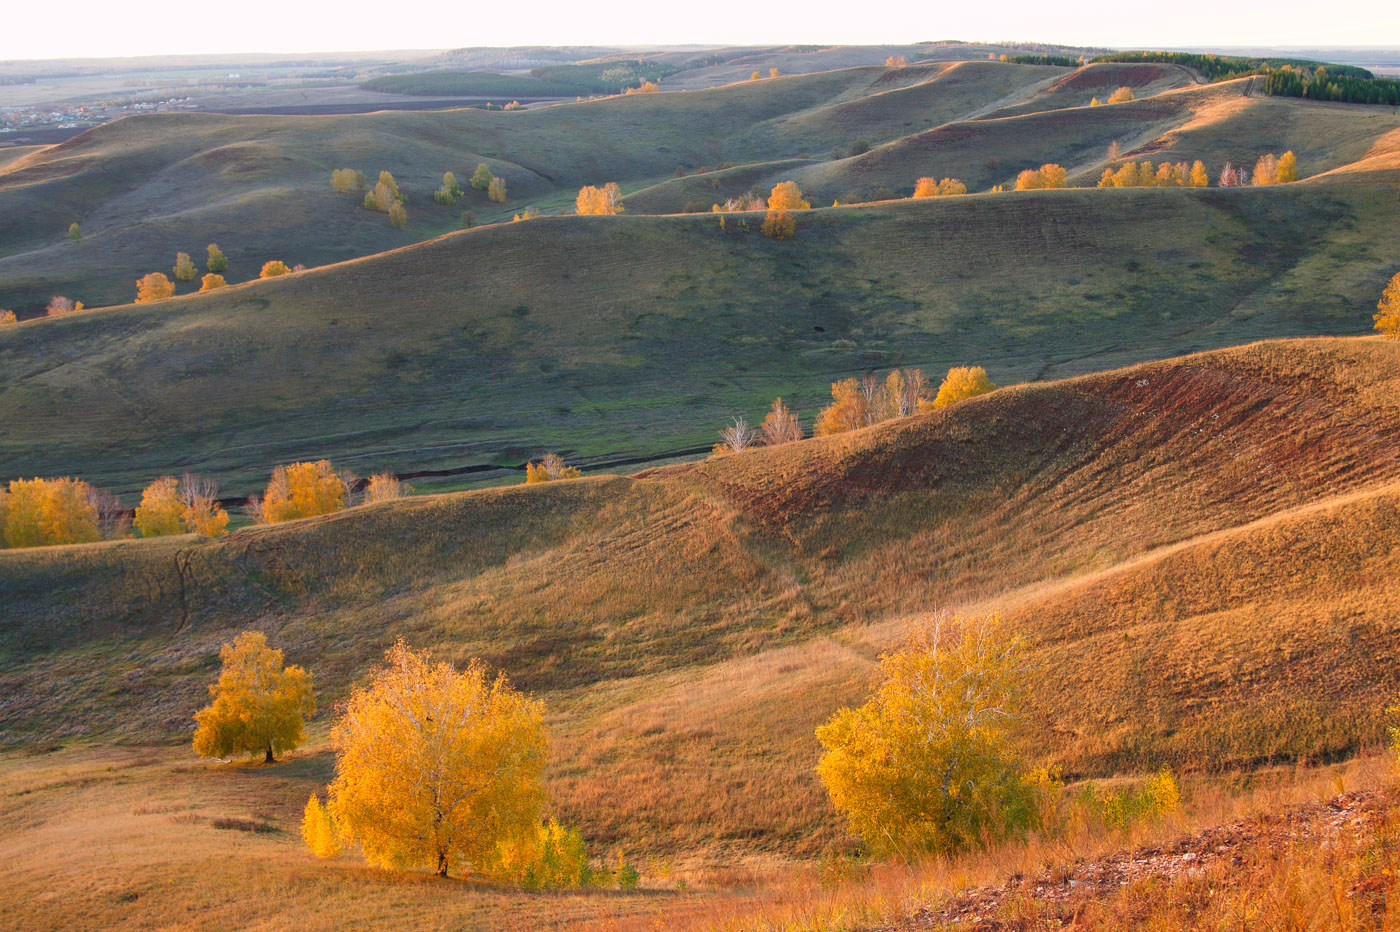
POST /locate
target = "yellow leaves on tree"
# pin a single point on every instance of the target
(548, 856)
(861, 402)
(1199, 177)
(551, 467)
(153, 286)
(1049, 175)
(318, 831)
(961, 383)
(1121, 96)
(259, 706)
(302, 490)
(171, 507)
(398, 215)
(273, 269)
(44, 512)
(647, 87)
(8, 317)
(849, 409)
(773, 72)
(217, 262)
(896, 61)
(347, 179)
(184, 269)
(211, 281)
(927, 764)
(779, 224)
(1166, 175)
(927, 187)
(481, 178)
(436, 767)
(603, 201)
(787, 195)
(496, 190)
(1271, 170)
(754, 77)
(1387, 316)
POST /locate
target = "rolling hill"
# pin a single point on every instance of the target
(1200, 549)
(626, 337)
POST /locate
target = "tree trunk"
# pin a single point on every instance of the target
(442, 864)
(268, 759)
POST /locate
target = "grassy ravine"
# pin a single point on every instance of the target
(632, 336)
(1201, 551)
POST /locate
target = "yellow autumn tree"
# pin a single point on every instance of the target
(961, 383)
(211, 281)
(45, 512)
(754, 76)
(496, 190)
(927, 763)
(773, 72)
(1200, 178)
(184, 269)
(849, 409)
(398, 215)
(273, 269)
(161, 513)
(153, 286)
(1120, 96)
(1048, 175)
(896, 61)
(302, 490)
(1287, 168)
(786, 195)
(1387, 315)
(8, 317)
(602, 201)
(318, 831)
(1266, 170)
(550, 468)
(927, 187)
(435, 767)
(259, 707)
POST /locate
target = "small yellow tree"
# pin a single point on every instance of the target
(153, 286)
(185, 269)
(8, 317)
(962, 382)
(754, 76)
(550, 468)
(1287, 168)
(75, 233)
(318, 831)
(398, 215)
(773, 72)
(435, 767)
(927, 764)
(259, 706)
(496, 190)
(302, 490)
(161, 512)
(273, 269)
(786, 195)
(1120, 96)
(481, 178)
(1200, 178)
(211, 281)
(1387, 315)
(1048, 175)
(849, 409)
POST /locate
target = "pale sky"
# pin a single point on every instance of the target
(103, 28)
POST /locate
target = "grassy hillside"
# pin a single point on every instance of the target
(1199, 549)
(146, 187)
(611, 337)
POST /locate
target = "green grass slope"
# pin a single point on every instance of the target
(145, 187)
(634, 336)
(1199, 550)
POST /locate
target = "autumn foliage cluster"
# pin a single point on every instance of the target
(259, 707)
(187, 505)
(1166, 175)
(1049, 175)
(1387, 315)
(550, 468)
(43, 512)
(927, 187)
(603, 201)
